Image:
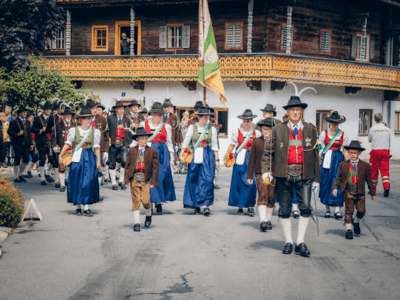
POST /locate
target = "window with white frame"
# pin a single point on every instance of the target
(321, 115)
(359, 46)
(59, 41)
(364, 121)
(174, 37)
(174, 34)
(234, 36)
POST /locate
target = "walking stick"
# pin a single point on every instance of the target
(316, 210)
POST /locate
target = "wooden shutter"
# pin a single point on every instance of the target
(237, 35)
(325, 46)
(372, 48)
(163, 37)
(229, 36)
(284, 35)
(186, 37)
(353, 47)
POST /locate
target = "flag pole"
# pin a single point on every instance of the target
(204, 88)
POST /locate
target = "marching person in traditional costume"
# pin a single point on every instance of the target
(105, 142)
(269, 111)
(193, 117)
(20, 133)
(42, 139)
(83, 184)
(266, 193)
(379, 137)
(134, 115)
(213, 122)
(7, 141)
(332, 141)
(295, 164)
(171, 119)
(144, 113)
(242, 194)
(58, 140)
(119, 126)
(161, 140)
(30, 117)
(141, 173)
(200, 140)
(352, 175)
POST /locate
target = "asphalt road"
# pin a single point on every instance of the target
(185, 256)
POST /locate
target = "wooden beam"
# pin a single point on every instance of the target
(392, 96)
(254, 85)
(277, 85)
(190, 85)
(352, 90)
(137, 85)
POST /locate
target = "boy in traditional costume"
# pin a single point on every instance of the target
(141, 173)
(353, 174)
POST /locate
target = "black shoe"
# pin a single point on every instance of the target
(101, 198)
(250, 211)
(356, 226)
(147, 223)
(22, 178)
(269, 225)
(240, 212)
(28, 174)
(122, 186)
(338, 215)
(302, 250)
(48, 178)
(78, 212)
(87, 213)
(17, 180)
(216, 186)
(263, 226)
(386, 193)
(66, 182)
(296, 214)
(206, 211)
(327, 214)
(159, 208)
(57, 185)
(62, 189)
(196, 211)
(114, 187)
(288, 249)
(43, 182)
(136, 227)
(349, 234)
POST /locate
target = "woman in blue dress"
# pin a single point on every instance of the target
(83, 184)
(332, 141)
(241, 193)
(161, 140)
(200, 139)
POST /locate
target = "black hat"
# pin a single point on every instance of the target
(118, 104)
(68, 111)
(112, 109)
(203, 111)
(85, 112)
(157, 108)
(143, 111)
(212, 114)
(140, 132)
(134, 102)
(167, 102)
(335, 118)
(266, 122)
(247, 115)
(295, 102)
(47, 105)
(22, 108)
(270, 108)
(90, 103)
(198, 104)
(30, 113)
(101, 106)
(354, 145)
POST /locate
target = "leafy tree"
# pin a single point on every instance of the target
(25, 25)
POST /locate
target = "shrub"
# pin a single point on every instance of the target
(11, 203)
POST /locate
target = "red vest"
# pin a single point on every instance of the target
(161, 137)
(336, 144)
(295, 152)
(249, 142)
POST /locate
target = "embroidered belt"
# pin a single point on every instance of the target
(139, 176)
(295, 170)
(295, 143)
(352, 188)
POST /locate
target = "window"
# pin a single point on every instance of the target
(397, 122)
(320, 120)
(356, 47)
(365, 121)
(325, 42)
(285, 31)
(174, 37)
(59, 42)
(174, 34)
(234, 36)
(100, 38)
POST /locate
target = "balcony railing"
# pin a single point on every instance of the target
(240, 67)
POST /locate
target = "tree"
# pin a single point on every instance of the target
(26, 25)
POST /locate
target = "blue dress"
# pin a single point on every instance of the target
(328, 178)
(241, 193)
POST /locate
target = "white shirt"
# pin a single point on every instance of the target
(83, 134)
(379, 137)
(235, 134)
(328, 154)
(168, 128)
(299, 125)
(200, 130)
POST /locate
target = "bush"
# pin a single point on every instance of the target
(11, 203)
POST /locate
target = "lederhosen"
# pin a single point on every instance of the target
(352, 197)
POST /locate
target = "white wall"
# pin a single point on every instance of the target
(241, 97)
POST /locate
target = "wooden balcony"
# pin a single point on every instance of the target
(240, 67)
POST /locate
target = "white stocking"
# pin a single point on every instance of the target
(62, 179)
(295, 207)
(56, 175)
(136, 216)
(269, 213)
(287, 230)
(41, 170)
(303, 223)
(22, 168)
(16, 171)
(262, 209)
(122, 175)
(113, 181)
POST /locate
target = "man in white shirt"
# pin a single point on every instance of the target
(379, 137)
